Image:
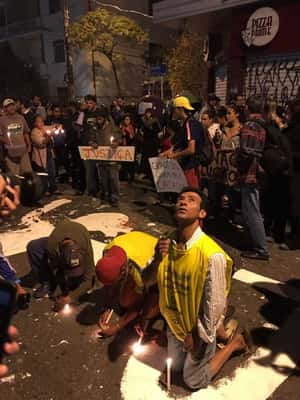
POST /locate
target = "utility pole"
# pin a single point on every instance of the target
(93, 58)
(69, 59)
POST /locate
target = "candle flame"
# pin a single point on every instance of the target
(169, 362)
(67, 309)
(137, 348)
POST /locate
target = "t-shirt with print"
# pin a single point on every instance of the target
(191, 130)
(14, 127)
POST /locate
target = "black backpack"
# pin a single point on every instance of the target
(275, 159)
(207, 150)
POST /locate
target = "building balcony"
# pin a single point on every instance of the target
(19, 29)
(168, 10)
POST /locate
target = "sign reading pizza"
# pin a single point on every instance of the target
(262, 27)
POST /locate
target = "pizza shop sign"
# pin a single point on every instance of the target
(262, 27)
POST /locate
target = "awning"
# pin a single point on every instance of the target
(169, 10)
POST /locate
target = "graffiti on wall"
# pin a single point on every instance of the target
(278, 79)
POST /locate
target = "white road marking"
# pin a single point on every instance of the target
(252, 278)
(262, 374)
(98, 249)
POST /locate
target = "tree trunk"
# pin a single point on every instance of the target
(115, 72)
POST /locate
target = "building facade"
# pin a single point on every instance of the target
(253, 45)
(32, 37)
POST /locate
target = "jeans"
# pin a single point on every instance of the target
(253, 218)
(91, 176)
(38, 259)
(195, 367)
(51, 174)
(110, 182)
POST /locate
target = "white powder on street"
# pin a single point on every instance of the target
(15, 242)
(108, 223)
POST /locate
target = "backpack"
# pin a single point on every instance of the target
(207, 152)
(275, 159)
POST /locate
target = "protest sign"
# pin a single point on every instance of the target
(223, 169)
(167, 174)
(107, 153)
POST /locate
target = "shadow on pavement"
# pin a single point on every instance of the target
(282, 310)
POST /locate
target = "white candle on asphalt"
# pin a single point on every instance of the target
(109, 316)
(169, 365)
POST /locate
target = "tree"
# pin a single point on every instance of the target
(102, 31)
(187, 70)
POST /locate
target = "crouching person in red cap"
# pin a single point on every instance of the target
(120, 271)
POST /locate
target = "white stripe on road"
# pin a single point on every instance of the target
(251, 278)
(262, 374)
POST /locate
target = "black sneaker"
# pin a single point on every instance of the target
(42, 291)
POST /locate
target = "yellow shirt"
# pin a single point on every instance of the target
(140, 248)
(181, 280)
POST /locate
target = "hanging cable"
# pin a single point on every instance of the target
(122, 9)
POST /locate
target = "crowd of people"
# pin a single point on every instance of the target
(184, 277)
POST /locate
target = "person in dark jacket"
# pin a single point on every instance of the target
(90, 127)
(292, 133)
(277, 165)
(64, 259)
(150, 128)
(252, 143)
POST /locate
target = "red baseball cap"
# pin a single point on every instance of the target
(109, 266)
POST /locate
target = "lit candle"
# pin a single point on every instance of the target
(109, 316)
(137, 348)
(9, 136)
(169, 364)
(56, 132)
(67, 309)
(112, 139)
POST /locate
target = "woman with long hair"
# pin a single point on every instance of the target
(128, 139)
(42, 150)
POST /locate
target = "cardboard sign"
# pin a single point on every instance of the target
(223, 169)
(106, 153)
(167, 174)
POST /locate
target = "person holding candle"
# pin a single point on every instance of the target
(42, 151)
(14, 134)
(193, 274)
(120, 271)
(108, 134)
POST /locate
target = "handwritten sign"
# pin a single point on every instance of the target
(167, 174)
(223, 169)
(106, 153)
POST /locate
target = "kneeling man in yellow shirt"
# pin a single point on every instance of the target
(193, 274)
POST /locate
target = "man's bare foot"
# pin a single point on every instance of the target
(238, 342)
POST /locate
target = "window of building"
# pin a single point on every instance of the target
(2, 16)
(150, 6)
(54, 6)
(59, 51)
